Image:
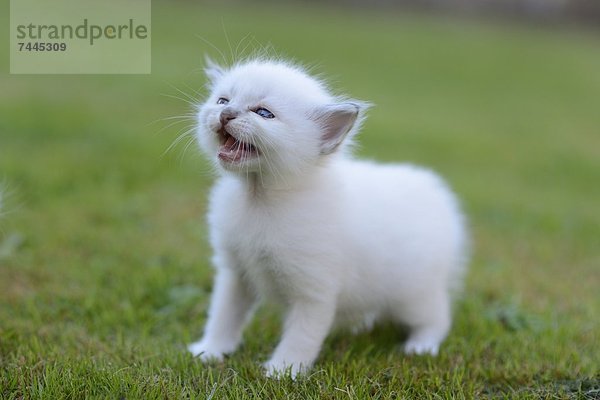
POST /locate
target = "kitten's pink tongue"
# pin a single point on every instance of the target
(234, 150)
(229, 143)
(231, 150)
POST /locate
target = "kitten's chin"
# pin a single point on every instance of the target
(242, 166)
(240, 156)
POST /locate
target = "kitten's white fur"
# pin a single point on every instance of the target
(335, 240)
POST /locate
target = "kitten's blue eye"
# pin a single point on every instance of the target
(222, 100)
(263, 112)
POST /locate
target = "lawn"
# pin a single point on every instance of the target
(104, 261)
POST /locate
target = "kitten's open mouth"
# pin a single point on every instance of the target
(234, 150)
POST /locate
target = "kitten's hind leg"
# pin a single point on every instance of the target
(429, 321)
(366, 324)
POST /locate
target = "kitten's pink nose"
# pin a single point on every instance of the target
(227, 115)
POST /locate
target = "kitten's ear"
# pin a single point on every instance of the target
(336, 121)
(213, 70)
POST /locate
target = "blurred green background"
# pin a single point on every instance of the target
(104, 271)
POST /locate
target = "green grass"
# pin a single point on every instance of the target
(104, 272)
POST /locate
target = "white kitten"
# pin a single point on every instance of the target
(295, 220)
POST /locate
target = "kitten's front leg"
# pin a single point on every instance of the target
(306, 327)
(230, 307)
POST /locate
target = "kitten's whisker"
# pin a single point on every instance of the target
(265, 51)
(266, 142)
(189, 115)
(260, 175)
(196, 92)
(228, 41)
(184, 116)
(189, 96)
(240, 55)
(191, 141)
(214, 47)
(194, 104)
(176, 123)
(241, 147)
(179, 138)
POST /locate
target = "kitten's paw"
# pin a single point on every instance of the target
(279, 370)
(420, 346)
(366, 325)
(206, 351)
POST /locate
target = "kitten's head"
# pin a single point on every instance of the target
(272, 118)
